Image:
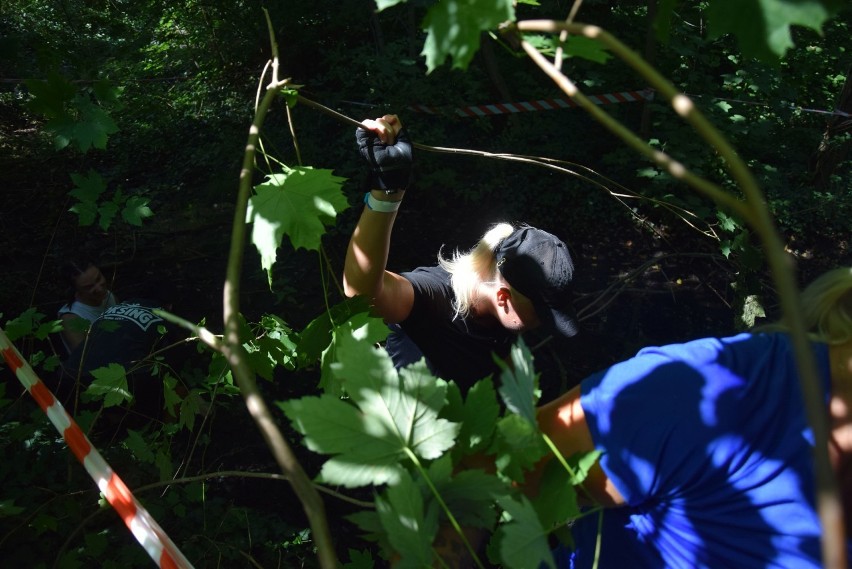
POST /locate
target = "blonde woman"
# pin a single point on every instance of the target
(468, 307)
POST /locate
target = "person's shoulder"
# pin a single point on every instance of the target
(432, 276)
(428, 270)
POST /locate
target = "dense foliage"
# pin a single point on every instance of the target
(122, 133)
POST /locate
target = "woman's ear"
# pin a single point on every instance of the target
(504, 295)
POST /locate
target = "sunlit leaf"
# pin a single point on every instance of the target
(410, 528)
(298, 203)
(519, 381)
(373, 331)
(454, 28)
(390, 416)
(135, 210)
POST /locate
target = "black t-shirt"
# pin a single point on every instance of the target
(123, 334)
(455, 348)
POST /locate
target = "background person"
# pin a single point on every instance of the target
(126, 334)
(90, 297)
(468, 307)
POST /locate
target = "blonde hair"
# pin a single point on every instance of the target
(470, 269)
(826, 307)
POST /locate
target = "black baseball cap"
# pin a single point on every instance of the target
(539, 266)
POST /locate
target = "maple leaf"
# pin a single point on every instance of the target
(454, 28)
(110, 383)
(51, 96)
(135, 210)
(298, 203)
(523, 541)
(519, 382)
(411, 526)
(762, 27)
(389, 416)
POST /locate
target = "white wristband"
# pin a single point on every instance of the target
(380, 206)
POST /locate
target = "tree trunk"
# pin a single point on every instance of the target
(832, 152)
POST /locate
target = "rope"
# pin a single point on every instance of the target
(137, 519)
(536, 105)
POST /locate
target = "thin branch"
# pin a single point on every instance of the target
(234, 351)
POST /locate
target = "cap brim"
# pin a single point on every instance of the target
(559, 321)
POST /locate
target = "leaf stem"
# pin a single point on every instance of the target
(444, 506)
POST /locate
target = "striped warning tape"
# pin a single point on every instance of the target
(137, 519)
(537, 105)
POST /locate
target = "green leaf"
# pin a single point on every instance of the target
(556, 501)
(523, 540)
(360, 560)
(297, 203)
(581, 464)
(317, 335)
(106, 92)
(45, 329)
(576, 46)
(384, 4)
(170, 395)
(366, 451)
(96, 544)
(8, 508)
(89, 187)
(164, 465)
(726, 222)
(407, 406)
(139, 446)
(93, 128)
(135, 210)
(454, 28)
(190, 407)
(373, 331)
(479, 420)
(107, 212)
(24, 324)
(518, 446)
(762, 27)
(51, 96)
(110, 383)
(410, 528)
(519, 382)
(470, 495)
(87, 212)
(393, 415)
(662, 22)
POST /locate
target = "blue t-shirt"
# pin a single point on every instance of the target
(710, 447)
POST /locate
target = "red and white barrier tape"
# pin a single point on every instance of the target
(137, 519)
(538, 105)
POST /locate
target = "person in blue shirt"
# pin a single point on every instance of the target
(707, 453)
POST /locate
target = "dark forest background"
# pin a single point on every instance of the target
(168, 90)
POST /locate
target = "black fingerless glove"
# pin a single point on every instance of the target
(390, 164)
